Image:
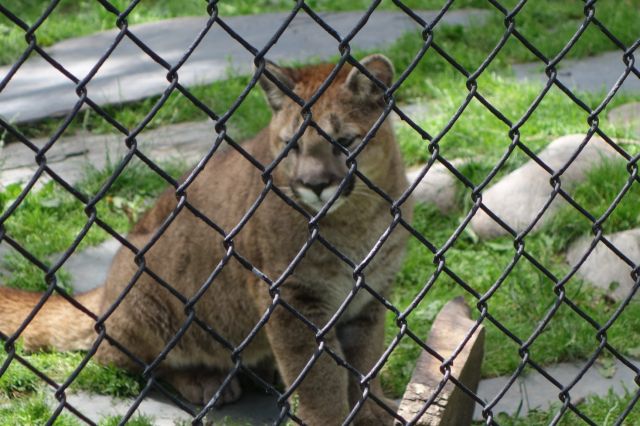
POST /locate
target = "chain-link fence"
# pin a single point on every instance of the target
(329, 354)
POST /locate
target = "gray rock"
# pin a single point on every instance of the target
(437, 187)
(70, 156)
(518, 197)
(38, 90)
(603, 268)
(592, 74)
(627, 117)
(533, 391)
(416, 111)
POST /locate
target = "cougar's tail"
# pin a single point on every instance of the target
(58, 325)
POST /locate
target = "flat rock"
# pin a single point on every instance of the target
(592, 74)
(603, 268)
(437, 187)
(71, 155)
(533, 391)
(627, 117)
(38, 90)
(518, 197)
(254, 408)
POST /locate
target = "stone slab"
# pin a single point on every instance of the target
(452, 407)
(592, 74)
(518, 197)
(38, 90)
(627, 117)
(603, 268)
(71, 155)
(533, 391)
(254, 408)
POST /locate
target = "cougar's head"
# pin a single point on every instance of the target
(314, 168)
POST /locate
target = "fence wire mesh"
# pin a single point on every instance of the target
(151, 367)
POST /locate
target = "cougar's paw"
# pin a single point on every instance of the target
(198, 387)
(231, 393)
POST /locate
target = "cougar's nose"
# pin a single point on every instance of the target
(317, 187)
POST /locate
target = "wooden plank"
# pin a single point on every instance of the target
(452, 406)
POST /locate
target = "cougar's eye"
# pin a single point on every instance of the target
(294, 145)
(346, 141)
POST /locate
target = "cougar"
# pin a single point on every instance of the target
(247, 280)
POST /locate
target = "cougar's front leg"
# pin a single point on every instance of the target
(323, 395)
(362, 341)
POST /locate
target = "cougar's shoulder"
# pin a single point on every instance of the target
(227, 173)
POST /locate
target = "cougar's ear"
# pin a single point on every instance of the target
(361, 86)
(275, 96)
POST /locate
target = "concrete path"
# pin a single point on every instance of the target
(592, 74)
(254, 408)
(38, 90)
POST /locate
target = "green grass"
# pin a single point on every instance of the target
(73, 19)
(597, 193)
(22, 393)
(138, 420)
(54, 211)
(481, 139)
(252, 115)
(19, 381)
(32, 411)
(480, 264)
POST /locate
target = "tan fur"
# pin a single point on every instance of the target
(57, 325)
(189, 250)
